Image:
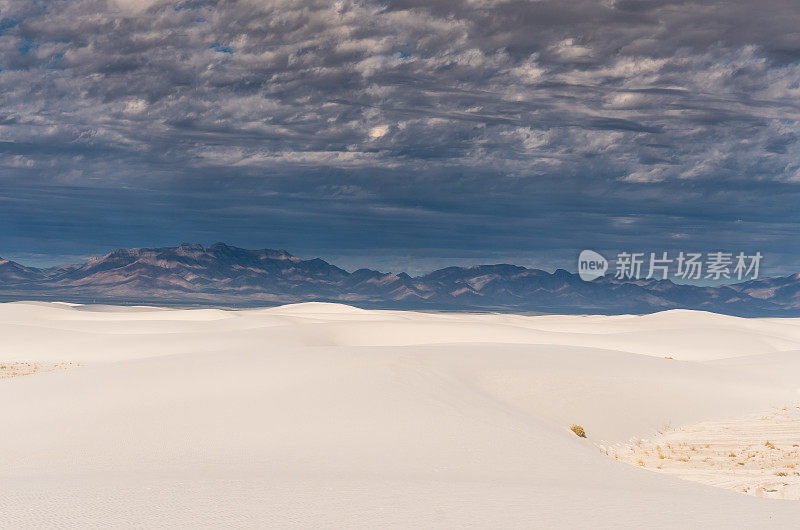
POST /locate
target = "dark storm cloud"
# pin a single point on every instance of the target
(498, 124)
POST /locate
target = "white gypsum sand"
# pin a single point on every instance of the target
(758, 454)
(324, 415)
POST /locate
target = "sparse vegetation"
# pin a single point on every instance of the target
(18, 368)
(578, 430)
(725, 454)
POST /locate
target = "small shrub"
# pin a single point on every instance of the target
(781, 473)
(770, 445)
(578, 430)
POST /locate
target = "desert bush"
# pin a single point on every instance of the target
(578, 430)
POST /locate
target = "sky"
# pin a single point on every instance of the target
(401, 135)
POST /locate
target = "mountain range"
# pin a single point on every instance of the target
(220, 274)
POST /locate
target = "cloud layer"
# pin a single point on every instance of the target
(661, 122)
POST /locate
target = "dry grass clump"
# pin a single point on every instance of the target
(578, 430)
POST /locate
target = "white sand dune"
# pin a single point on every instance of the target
(322, 415)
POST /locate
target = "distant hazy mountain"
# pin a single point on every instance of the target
(225, 275)
(11, 272)
(783, 291)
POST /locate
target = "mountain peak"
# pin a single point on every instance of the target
(219, 245)
(281, 254)
(192, 246)
(13, 271)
